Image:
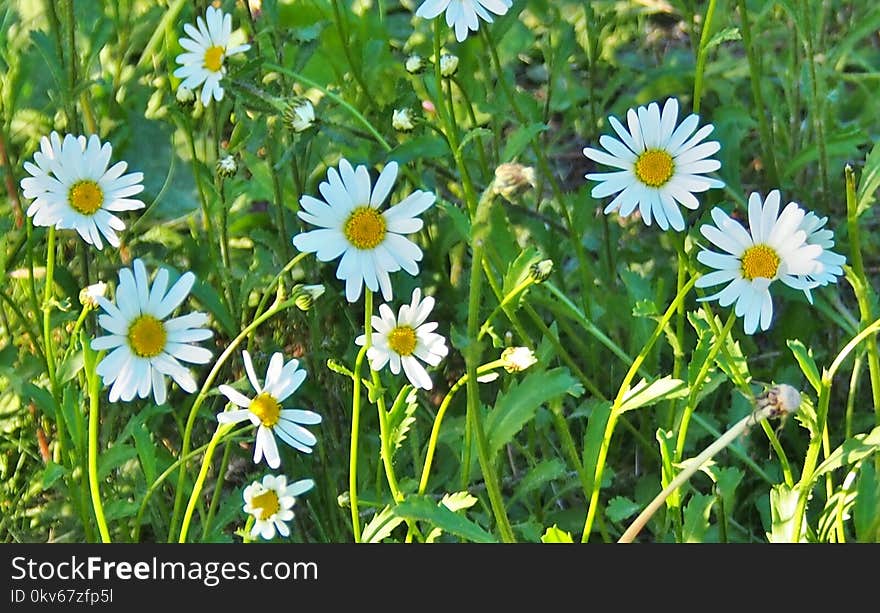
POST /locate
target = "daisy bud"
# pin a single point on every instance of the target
(88, 297)
(783, 398)
(414, 64)
(402, 120)
(307, 296)
(299, 115)
(226, 166)
(540, 271)
(512, 178)
(448, 64)
(517, 359)
(185, 96)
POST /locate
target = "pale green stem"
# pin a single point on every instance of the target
(702, 54)
(94, 386)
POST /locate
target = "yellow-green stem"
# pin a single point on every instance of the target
(94, 384)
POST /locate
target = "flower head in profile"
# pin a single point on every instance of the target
(405, 339)
(205, 51)
(270, 502)
(661, 165)
(264, 409)
(72, 188)
(144, 346)
(773, 248)
(464, 15)
(832, 263)
(372, 244)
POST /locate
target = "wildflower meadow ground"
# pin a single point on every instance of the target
(418, 271)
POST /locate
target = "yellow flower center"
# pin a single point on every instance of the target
(760, 261)
(365, 228)
(265, 505)
(266, 408)
(147, 336)
(402, 340)
(86, 197)
(654, 167)
(214, 58)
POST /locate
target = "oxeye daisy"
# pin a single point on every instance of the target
(145, 347)
(773, 248)
(264, 410)
(832, 263)
(72, 188)
(371, 243)
(402, 339)
(206, 49)
(463, 15)
(661, 165)
(270, 502)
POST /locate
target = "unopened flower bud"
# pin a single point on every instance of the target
(299, 114)
(307, 296)
(402, 120)
(783, 399)
(517, 359)
(540, 271)
(226, 166)
(448, 64)
(511, 179)
(88, 297)
(414, 64)
(185, 96)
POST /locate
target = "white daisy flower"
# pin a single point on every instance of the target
(773, 248)
(271, 502)
(371, 243)
(400, 340)
(72, 188)
(264, 410)
(832, 263)
(661, 164)
(463, 14)
(144, 346)
(206, 48)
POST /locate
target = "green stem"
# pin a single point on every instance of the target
(816, 102)
(702, 55)
(200, 479)
(510, 297)
(355, 422)
(94, 385)
(218, 489)
(618, 401)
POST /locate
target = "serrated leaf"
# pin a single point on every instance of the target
(119, 509)
(458, 501)
(70, 367)
(419, 148)
(696, 518)
(517, 406)
(50, 474)
(543, 472)
(460, 221)
(593, 438)
(644, 394)
(146, 451)
(401, 422)
(554, 534)
(783, 502)
(424, 509)
(620, 508)
(844, 143)
(805, 360)
(852, 450)
(113, 458)
(723, 36)
(519, 140)
(518, 270)
(471, 135)
(869, 182)
(381, 526)
(866, 511)
(339, 368)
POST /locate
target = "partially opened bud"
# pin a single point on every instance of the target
(89, 295)
(517, 359)
(299, 114)
(448, 64)
(403, 120)
(226, 166)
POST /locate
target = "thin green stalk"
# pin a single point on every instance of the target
(71, 64)
(94, 386)
(816, 102)
(510, 297)
(200, 479)
(218, 489)
(48, 299)
(355, 423)
(346, 49)
(618, 401)
(756, 79)
(678, 348)
(863, 287)
(702, 55)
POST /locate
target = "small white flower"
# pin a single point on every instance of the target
(371, 243)
(448, 64)
(89, 296)
(185, 96)
(517, 359)
(299, 115)
(463, 15)
(661, 164)
(226, 166)
(271, 504)
(264, 410)
(144, 346)
(206, 49)
(400, 340)
(773, 248)
(832, 263)
(414, 64)
(402, 119)
(72, 188)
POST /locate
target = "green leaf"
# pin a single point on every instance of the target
(518, 405)
(146, 451)
(424, 509)
(842, 144)
(783, 502)
(869, 182)
(113, 458)
(866, 511)
(852, 450)
(51, 473)
(458, 501)
(381, 526)
(554, 534)
(518, 270)
(643, 394)
(471, 135)
(419, 148)
(70, 367)
(40, 397)
(339, 368)
(209, 297)
(400, 422)
(696, 518)
(805, 360)
(726, 479)
(593, 438)
(620, 508)
(543, 472)
(519, 140)
(723, 36)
